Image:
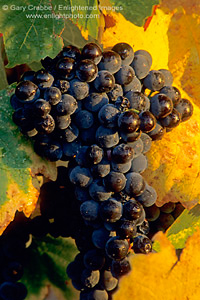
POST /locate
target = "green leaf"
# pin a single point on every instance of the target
(47, 263)
(72, 35)
(136, 11)
(3, 77)
(184, 226)
(31, 34)
(18, 165)
(33, 30)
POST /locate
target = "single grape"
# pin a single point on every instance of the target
(168, 76)
(117, 248)
(172, 120)
(84, 119)
(41, 108)
(172, 92)
(54, 151)
(27, 91)
(80, 176)
(52, 95)
(142, 244)
(125, 51)
(161, 105)
(154, 81)
(100, 237)
(168, 207)
(108, 116)
(45, 124)
(90, 278)
(129, 121)
(62, 85)
(108, 281)
(115, 181)
(43, 79)
(70, 133)
(98, 192)
(125, 75)
(139, 164)
(147, 141)
(148, 197)
(66, 106)
(78, 89)
(120, 268)
(104, 81)
(138, 101)
(152, 212)
(126, 229)
(110, 61)
(86, 70)
(134, 85)
(93, 52)
(89, 210)
(71, 52)
(146, 54)
(116, 92)
(95, 101)
(107, 137)
(101, 169)
(65, 68)
(141, 66)
(185, 108)
(110, 210)
(122, 153)
(157, 133)
(147, 121)
(132, 210)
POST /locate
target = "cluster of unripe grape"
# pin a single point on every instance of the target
(92, 108)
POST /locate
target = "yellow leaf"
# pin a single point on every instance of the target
(162, 276)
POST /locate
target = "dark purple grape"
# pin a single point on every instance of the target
(126, 229)
(185, 109)
(41, 108)
(157, 133)
(173, 93)
(154, 81)
(111, 61)
(125, 75)
(152, 212)
(65, 68)
(132, 210)
(129, 121)
(70, 51)
(135, 184)
(115, 181)
(92, 51)
(161, 105)
(86, 70)
(122, 153)
(52, 95)
(125, 51)
(43, 79)
(45, 125)
(27, 91)
(117, 248)
(147, 121)
(120, 268)
(110, 210)
(142, 244)
(104, 82)
(172, 120)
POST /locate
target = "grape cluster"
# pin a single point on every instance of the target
(91, 108)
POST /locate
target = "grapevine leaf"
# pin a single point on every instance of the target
(133, 10)
(18, 165)
(163, 275)
(46, 267)
(3, 78)
(30, 35)
(184, 226)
